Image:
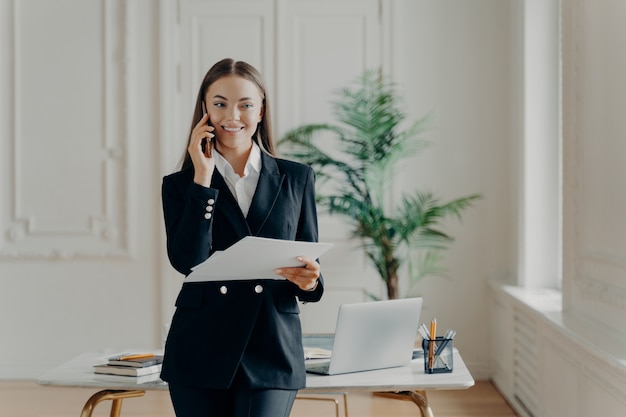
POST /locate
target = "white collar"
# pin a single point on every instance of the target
(253, 163)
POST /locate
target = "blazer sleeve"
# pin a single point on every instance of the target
(187, 209)
(308, 231)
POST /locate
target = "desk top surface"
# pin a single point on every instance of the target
(78, 372)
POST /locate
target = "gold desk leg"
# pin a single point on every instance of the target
(334, 400)
(116, 397)
(418, 397)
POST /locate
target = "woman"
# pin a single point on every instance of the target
(235, 347)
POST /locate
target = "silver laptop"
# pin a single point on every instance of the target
(372, 335)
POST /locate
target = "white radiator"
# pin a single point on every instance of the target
(525, 362)
(547, 363)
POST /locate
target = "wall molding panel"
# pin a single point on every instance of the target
(73, 208)
(603, 294)
(201, 41)
(308, 66)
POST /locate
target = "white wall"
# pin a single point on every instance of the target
(78, 287)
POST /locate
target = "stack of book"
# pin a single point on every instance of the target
(139, 365)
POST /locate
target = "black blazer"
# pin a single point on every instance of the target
(252, 326)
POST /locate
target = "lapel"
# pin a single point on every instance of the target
(267, 190)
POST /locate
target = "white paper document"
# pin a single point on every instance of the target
(255, 258)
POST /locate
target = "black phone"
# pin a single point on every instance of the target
(204, 140)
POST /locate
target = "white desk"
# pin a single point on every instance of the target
(408, 382)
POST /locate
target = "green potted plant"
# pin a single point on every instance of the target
(369, 140)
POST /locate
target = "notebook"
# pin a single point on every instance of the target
(372, 335)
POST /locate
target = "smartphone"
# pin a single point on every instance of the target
(204, 141)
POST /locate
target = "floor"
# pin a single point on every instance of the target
(27, 399)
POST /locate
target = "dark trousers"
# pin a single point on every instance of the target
(237, 401)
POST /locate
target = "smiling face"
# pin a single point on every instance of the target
(235, 109)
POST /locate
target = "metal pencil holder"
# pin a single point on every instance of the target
(438, 355)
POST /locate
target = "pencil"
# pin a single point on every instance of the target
(431, 346)
(137, 356)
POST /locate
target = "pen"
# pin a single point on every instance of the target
(446, 339)
(137, 356)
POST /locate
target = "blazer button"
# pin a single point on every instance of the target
(210, 201)
(223, 289)
(207, 216)
(258, 289)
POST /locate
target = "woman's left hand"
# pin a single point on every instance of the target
(305, 277)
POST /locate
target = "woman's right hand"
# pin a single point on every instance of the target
(203, 162)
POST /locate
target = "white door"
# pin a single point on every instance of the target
(306, 50)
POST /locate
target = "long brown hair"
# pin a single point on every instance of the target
(223, 68)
